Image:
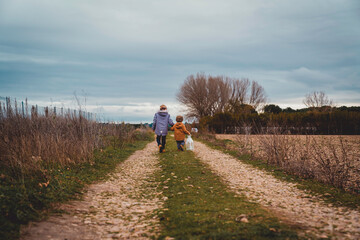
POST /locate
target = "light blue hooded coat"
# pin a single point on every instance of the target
(160, 123)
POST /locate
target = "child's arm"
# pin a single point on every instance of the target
(154, 122)
(170, 121)
(172, 128)
(186, 131)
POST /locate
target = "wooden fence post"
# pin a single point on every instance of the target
(22, 107)
(26, 108)
(7, 104)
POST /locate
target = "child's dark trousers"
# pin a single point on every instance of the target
(179, 143)
(161, 140)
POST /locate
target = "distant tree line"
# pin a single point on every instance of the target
(228, 105)
(342, 120)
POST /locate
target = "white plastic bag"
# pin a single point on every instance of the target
(189, 143)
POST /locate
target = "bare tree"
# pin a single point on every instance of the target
(317, 100)
(193, 94)
(204, 96)
(245, 92)
(212, 94)
(207, 95)
(219, 89)
(239, 90)
(257, 95)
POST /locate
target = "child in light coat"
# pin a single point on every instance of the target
(179, 132)
(160, 126)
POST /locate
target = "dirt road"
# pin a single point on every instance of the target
(120, 208)
(291, 204)
(124, 207)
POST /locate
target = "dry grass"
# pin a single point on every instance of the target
(31, 143)
(330, 159)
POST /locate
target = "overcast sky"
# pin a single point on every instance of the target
(126, 57)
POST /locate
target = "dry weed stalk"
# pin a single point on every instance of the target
(333, 161)
(245, 144)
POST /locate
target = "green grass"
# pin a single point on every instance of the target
(24, 201)
(329, 193)
(200, 206)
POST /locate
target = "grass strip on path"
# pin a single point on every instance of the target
(328, 193)
(26, 201)
(200, 206)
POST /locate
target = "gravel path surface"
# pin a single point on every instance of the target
(288, 202)
(120, 208)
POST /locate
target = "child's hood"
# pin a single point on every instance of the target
(178, 125)
(163, 113)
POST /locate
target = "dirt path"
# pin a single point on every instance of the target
(120, 208)
(290, 203)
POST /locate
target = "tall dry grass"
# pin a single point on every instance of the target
(330, 159)
(34, 142)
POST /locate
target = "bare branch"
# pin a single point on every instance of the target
(317, 100)
(257, 95)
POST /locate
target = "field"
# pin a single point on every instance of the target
(51, 158)
(330, 159)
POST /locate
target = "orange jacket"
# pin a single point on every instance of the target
(179, 131)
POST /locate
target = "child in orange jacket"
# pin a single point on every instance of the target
(179, 132)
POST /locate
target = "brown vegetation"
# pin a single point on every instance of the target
(330, 159)
(32, 142)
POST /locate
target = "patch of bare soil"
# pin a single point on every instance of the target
(288, 202)
(120, 208)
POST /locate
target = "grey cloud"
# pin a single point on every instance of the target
(141, 51)
(311, 78)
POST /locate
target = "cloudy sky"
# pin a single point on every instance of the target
(123, 58)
